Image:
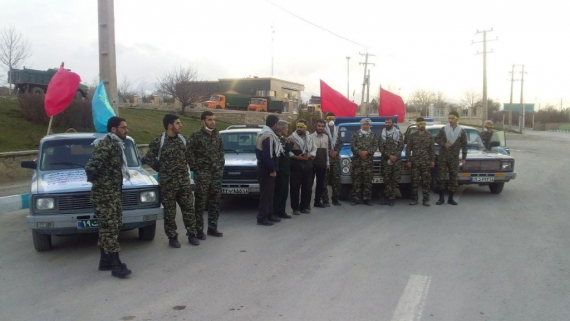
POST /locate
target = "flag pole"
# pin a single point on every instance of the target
(49, 126)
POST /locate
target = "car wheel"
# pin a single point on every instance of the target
(344, 192)
(42, 242)
(406, 191)
(147, 233)
(496, 188)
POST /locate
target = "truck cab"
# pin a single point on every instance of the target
(215, 102)
(257, 104)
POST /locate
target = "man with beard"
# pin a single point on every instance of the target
(451, 138)
(487, 134)
(283, 172)
(391, 144)
(420, 155)
(169, 155)
(363, 144)
(302, 154)
(208, 166)
(332, 176)
(321, 162)
(105, 170)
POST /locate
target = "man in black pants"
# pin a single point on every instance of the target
(267, 150)
(321, 162)
(302, 154)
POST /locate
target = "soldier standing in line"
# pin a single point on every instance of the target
(105, 170)
(208, 165)
(391, 144)
(332, 176)
(363, 144)
(487, 134)
(451, 138)
(169, 155)
(283, 172)
(421, 156)
(321, 163)
(302, 154)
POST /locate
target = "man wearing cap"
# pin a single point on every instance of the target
(420, 155)
(363, 144)
(302, 154)
(487, 134)
(391, 144)
(332, 176)
(452, 139)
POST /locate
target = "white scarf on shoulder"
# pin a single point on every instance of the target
(304, 147)
(362, 132)
(121, 144)
(452, 134)
(275, 145)
(332, 136)
(394, 133)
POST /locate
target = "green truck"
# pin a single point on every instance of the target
(31, 81)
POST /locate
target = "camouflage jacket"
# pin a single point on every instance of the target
(335, 145)
(174, 159)
(486, 137)
(359, 142)
(207, 151)
(453, 151)
(420, 148)
(390, 146)
(104, 167)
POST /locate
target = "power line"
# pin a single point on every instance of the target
(313, 24)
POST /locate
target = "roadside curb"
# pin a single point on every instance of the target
(559, 131)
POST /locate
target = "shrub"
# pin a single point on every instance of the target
(77, 115)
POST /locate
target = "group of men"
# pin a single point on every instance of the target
(289, 165)
(172, 156)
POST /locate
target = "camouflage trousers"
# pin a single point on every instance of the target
(362, 175)
(109, 210)
(208, 191)
(181, 193)
(391, 175)
(332, 178)
(421, 172)
(447, 165)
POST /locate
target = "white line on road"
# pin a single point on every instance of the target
(411, 304)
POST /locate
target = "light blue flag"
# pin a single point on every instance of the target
(101, 109)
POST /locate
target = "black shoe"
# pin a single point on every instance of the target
(274, 219)
(425, 203)
(296, 213)
(201, 235)
(215, 232)
(105, 263)
(336, 203)
(354, 203)
(450, 199)
(285, 216)
(264, 222)
(118, 270)
(173, 242)
(319, 205)
(414, 202)
(327, 204)
(306, 211)
(441, 199)
(392, 202)
(367, 202)
(192, 239)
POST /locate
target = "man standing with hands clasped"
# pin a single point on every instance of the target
(302, 154)
(391, 144)
(332, 176)
(321, 163)
(363, 144)
(420, 155)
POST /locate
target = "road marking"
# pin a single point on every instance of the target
(411, 304)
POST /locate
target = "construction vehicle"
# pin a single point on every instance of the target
(314, 104)
(266, 104)
(31, 81)
(227, 101)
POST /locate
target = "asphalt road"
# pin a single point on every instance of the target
(493, 257)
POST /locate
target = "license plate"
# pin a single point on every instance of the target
(377, 180)
(483, 179)
(87, 224)
(240, 190)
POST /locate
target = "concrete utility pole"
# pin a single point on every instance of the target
(521, 124)
(367, 92)
(365, 63)
(484, 32)
(511, 104)
(107, 57)
(347, 78)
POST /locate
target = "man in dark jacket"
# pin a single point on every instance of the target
(267, 150)
(321, 162)
(283, 172)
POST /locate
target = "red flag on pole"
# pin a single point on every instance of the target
(61, 89)
(335, 102)
(391, 104)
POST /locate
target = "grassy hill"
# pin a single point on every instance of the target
(18, 134)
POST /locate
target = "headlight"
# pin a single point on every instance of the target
(46, 203)
(148, 197)
(506, 166)
(345, 170)
(345, 162)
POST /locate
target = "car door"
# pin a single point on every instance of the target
(499, 136)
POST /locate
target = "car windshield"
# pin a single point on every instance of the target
(473, 139)
(214, 98)
(347, 131)
(74, 153)
(257, 102)
(239, 142)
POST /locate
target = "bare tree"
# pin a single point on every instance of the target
(421, 99)
(470, 98)
(182, 84)
(14, 50)
(125, 89)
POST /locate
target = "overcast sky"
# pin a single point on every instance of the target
(418, 44)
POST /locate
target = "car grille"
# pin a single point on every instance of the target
(376, 168)
(82, 202)
(240, 173)
(481, 166)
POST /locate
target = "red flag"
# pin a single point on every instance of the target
(61, 89)
(335, 102)
(391, 104)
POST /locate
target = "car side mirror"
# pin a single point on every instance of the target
(29, 164)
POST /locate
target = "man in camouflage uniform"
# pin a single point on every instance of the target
(391, 144)
(170, 156)
(421, 156)
(106, 170)
(487, 134)
(332, 176)
(452, 138)
(208, 166)
(363, 144)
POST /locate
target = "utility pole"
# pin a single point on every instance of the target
(511, 104)
(347, 77)
(484, 32)
(521, 124)
(107, 57)
(367, 92)
(365, 63)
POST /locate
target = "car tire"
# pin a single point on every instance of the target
(344, 192)
(496, 188)
(42, 242)
(147, 233)
(406, 191)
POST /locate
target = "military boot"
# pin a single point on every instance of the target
(118, 270)
(192, 239)
(215, 232)
(441, 198)
(105, 263)
(450, 199)
(201, 235)
(414, 202)
(173, 242)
